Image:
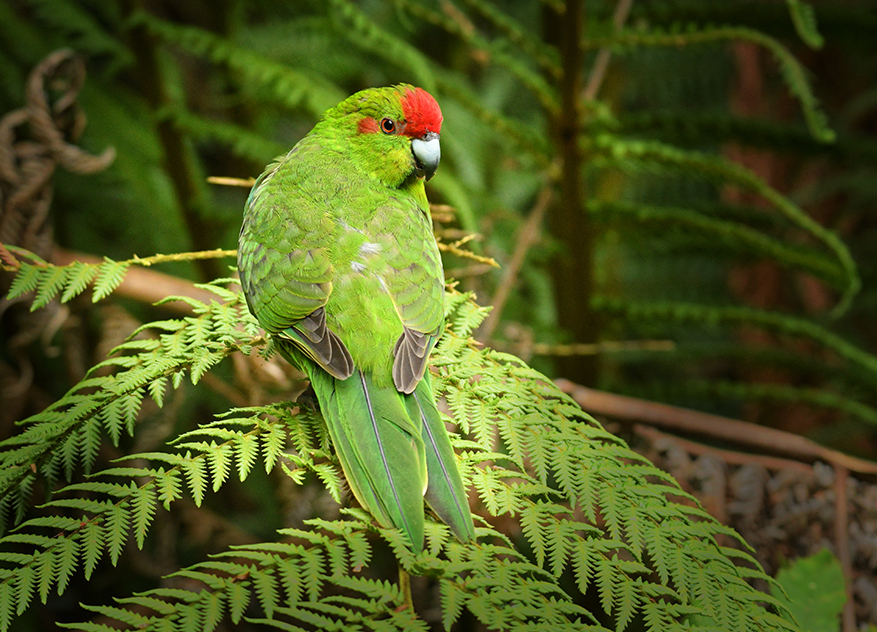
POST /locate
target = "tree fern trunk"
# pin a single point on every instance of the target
(178, 160)
(572, 269)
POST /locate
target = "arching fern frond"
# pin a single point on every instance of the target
(793, 73)
(777, 322)
(368, 35)
(804, 18)
(532, 80)
(590, 512)
(625, 154)
(736, 233)
(65, 436)
(288, 86)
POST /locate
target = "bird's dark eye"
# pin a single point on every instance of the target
(388, 126)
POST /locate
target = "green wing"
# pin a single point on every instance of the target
(288, 284)
(417, 288)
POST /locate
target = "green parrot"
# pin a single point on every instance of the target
(338, 263)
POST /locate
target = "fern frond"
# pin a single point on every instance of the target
(242, 142)
(288, 86)
(804, 18)
(370, 36)
(517, 36)
(623, 154)
(68, 432)
(781, 323)
(586, 504)
(792, 71)
(529, 78)
(733, 232)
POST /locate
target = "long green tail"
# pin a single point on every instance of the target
(380, 449)
(445, 493)
(394, 450)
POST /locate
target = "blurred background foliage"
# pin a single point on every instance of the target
(680, 193)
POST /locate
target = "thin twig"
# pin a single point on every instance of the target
(714, 426)
(582, 348)
(466, 254)
(217, 253)
(601, 63)
(405, 588)
(528, 235)
(146, 286)
(732, 457)
(227, 181)
(842, 544)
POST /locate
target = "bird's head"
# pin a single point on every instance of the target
(393, 132)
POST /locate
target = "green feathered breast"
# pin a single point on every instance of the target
(338, 262)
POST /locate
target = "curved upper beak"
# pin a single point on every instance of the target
(427, 154)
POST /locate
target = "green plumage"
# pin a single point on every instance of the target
(338, 262)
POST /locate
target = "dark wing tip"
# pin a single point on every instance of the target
(322, 345)
(411, 354)
(341, 363)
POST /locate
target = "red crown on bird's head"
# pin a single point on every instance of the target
(422, 113)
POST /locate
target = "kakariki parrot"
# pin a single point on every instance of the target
(339, 264)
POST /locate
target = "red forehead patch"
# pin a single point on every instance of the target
(422, 113)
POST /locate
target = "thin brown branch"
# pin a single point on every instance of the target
(842, 544)
(227, 181)
(527, 236)
(732, 457)
(146, 286)
(695, 422)
(466, 254)
(601, 62)
(529, 349)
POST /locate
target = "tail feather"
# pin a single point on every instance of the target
(445, 492)
(380, 448)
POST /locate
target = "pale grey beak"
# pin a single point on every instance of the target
(427, 154)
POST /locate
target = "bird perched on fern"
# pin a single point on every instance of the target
(338, 262)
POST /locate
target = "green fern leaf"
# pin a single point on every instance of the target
(804, 19)
(238, 599)
(7, 601)
(453, 599)
(273, 443)
(109, 276)
(152, 603)
(124, 615)
(189, 618)
(91, 545)
(202, 360)
(79, 276)
(312, 573)
(193, 469)
(24, 587)
(157, 389)
(220, 457)
(26, 280)
(52, 280)
(66, 562)
(213, 610)
(44, 564)
(91, 441)
(143, 503)
(266, 590)
(115, 522)
(168, 486)
(246, 451)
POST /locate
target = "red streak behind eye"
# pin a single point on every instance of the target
(368, 126)
(422, 113)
